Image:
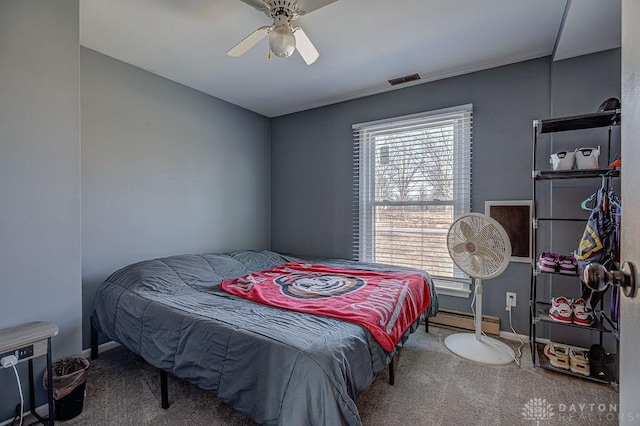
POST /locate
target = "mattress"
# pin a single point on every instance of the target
(278, 367)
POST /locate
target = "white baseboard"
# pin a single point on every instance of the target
(507, 335)
(102, 348)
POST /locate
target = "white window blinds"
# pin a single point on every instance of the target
(412, 179)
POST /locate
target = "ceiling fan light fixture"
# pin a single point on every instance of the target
(282, 42)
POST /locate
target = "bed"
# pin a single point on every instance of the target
(278, 367)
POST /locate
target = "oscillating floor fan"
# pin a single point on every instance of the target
(480, 247)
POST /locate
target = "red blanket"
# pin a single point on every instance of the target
(385, 303)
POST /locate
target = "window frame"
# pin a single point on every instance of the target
(365, 203)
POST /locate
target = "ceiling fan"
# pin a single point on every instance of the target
(283, 39)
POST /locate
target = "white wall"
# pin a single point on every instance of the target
(630, 308)
(40, 253)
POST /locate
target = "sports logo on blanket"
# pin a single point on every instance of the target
(317, 285)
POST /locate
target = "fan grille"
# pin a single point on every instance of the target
(479, 246)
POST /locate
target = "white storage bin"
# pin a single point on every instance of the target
(562, 160)
(587, 158)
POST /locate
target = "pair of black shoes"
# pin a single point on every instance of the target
(603, 365)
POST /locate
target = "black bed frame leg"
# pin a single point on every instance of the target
(163, 389)
(392, 372)
(426, 325)
(94, 342)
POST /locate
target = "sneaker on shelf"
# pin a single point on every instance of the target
(548, 262)
(611, 365)
(558, 355)
(568, 265)
(582, 313)
(579, 362)
(561, 310)
(596, 357)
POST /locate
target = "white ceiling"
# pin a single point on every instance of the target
(590, 26)
(362, 44)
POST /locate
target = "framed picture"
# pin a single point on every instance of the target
(515, 217)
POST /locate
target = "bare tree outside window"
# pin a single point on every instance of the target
(413, 166)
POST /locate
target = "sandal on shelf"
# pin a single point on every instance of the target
(578, 362)
(558, 355)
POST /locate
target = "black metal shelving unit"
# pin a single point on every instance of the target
(575, 174)
(539, 310)
(578, 122)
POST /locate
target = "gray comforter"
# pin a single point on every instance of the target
(276, 366)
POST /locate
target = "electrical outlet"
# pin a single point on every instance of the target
(511, 301)
(25, 352)
(20, 353)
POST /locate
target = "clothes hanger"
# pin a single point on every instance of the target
(614, 200)
(591, 197)
(588, 200)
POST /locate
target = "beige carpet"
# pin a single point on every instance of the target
(433, 387)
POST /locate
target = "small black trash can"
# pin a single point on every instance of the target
(69, 384)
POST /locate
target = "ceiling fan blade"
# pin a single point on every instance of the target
(308, 6)
(257, 4)
(307, 50)
(249, 41)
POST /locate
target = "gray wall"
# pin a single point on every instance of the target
(39, 176)
(579, 85)
(312, 168)
(311, 165)
(165, 170)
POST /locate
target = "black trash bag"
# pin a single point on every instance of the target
(69, 382)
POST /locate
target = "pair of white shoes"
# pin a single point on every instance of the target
(568, 358)
(571, 311)
(582, 158)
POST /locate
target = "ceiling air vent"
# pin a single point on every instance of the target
(405, 79)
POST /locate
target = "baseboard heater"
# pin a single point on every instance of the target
(464, 321)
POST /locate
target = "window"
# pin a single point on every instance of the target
(412, 179)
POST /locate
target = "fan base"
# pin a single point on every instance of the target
(486, 351)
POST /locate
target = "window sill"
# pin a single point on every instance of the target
(445, 288)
